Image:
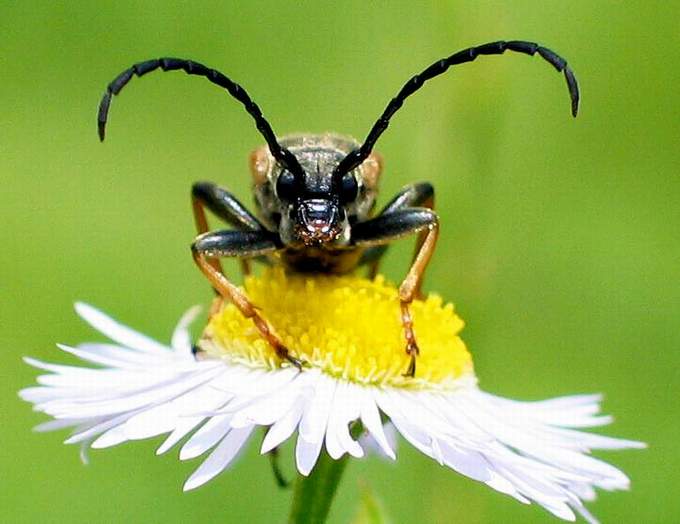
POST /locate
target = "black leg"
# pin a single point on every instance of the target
(420, 194)
(281, 480)
(225, 206)
(392, 226)
(239, 244)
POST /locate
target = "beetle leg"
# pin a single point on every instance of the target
(241, 244)
(410, 289)
(420, 194)
(280, 478)
(227, 207)
(388, 227)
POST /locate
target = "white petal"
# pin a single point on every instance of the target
(40, 395)
(97, 426)
(586, 514)
(181, 338)
(346, 408)
(206, 437)
(220, 458)
(250, 386)
(151, 422)
(275, 400)
(53, 425)
(575, 411)
(118, 332)
(315, 418)
(184, 426)
(469, 463)
(109, 438)
(115, 356)
(543, 493)
(313, 425)
(503, 485)
(167, 416)
(306, 455)
(127, 358)
(415, 435)
(370, 418)
(163, 391)
(583, 491)
(414, 408)
(284, 427)
(102, 359)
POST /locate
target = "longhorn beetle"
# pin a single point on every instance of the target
(315, 196)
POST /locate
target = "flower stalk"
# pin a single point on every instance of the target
(314, 494)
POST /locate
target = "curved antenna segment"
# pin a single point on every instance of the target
(356, 157)
(281, 154)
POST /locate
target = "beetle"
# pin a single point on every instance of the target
(315, 196)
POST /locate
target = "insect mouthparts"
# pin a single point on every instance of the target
(318, 220)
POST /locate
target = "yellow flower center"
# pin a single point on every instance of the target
(347, 326)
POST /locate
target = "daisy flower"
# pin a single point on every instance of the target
(346, 329)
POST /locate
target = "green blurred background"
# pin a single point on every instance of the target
(560, 242)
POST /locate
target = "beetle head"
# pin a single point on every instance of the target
(314, 207)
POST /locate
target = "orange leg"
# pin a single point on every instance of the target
(410, 289)
(238, 244)
(397, 221)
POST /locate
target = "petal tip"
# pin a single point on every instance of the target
(83, 308)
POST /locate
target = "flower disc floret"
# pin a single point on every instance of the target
(349, 327)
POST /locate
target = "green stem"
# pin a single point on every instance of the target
(313, 494)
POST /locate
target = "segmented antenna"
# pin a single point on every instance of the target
(356, 157)
(281, 154)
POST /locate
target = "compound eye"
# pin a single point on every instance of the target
(349, 188)
(286, 186)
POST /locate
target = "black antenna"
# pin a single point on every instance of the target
(281, 154)
(356, 157)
